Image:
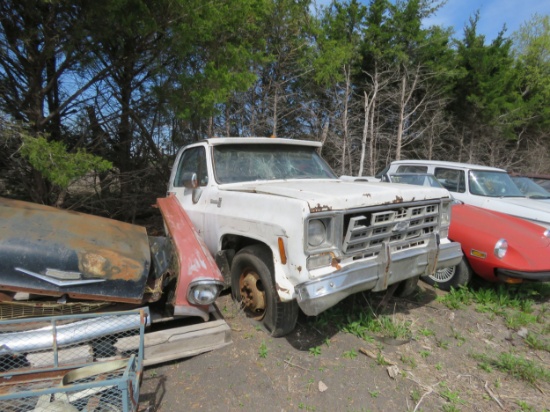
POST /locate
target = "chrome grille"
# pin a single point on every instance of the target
(403, 226)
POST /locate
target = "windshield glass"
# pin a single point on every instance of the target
(492, 184)
(530, 189)
(416, 179)
(247, 162)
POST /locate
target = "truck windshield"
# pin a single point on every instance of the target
(246, 163)
(492, 184)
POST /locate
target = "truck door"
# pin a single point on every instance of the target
(192, 160)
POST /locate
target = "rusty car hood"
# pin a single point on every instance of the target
(55, 252)
(334, 194)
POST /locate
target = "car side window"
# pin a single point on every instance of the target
(412, 169)
(452, 179)
(192, 161)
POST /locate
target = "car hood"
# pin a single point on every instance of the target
(475, 223)
(523, 207)
(49, 251)
(325, 194)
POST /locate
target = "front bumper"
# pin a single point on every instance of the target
(317, 295)
(516, 276)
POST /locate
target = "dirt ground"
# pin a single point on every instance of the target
(320, 368)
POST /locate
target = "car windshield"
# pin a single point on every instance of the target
(416, 179)
(530, 189)
(246, 162)
(492, 184)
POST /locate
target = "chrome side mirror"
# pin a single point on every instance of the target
(190, 180)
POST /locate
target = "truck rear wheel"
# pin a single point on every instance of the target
(253, 287)
(454, 276)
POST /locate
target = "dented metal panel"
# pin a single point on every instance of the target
(55, 252)
(194, 261)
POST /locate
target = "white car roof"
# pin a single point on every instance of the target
(448, 164)
(215, 141)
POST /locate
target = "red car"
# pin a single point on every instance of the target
(496, 246)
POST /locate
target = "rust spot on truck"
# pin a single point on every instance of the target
(320, 208)
(279, 288)
(335, 263)
(366, 194)
(398, 199)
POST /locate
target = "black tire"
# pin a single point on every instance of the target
(455, 276)
(253, 287)
(406, 287)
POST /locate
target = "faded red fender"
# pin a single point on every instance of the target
(194, 260)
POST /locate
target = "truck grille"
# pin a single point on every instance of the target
(403, 226)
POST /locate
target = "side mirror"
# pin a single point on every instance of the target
(190, 180)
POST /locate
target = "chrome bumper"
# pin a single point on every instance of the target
(317, 295)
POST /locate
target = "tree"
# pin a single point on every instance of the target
(487, 102)
(42, 46)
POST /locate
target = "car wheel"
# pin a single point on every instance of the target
(406, 287)
(454, 276)
(253, 288)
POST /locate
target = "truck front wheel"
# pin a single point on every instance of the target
(252, 287)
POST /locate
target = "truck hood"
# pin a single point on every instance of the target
(333, 194)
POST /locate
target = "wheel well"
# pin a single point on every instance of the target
(231, 244)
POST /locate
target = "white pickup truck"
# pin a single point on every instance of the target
(287, 233)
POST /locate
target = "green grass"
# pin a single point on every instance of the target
(262, 351)
(516, 366)
(315, 351)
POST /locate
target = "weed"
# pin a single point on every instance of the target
(534, 341)
(525, 407)
(315, 351)
(153, 374)
(415, 395)
(515, 319)
(449, 395)
(449, 407)
(374, 394)
(458, 336)
(368, 323)
(456, 298)
(438, 366)
(380, 360)
(408, 360)
(442, 344)
(424, 353)
(426, 332)
(485, 366)
(350, 354)
(516, 366)
(262, 351)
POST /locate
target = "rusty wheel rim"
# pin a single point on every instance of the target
(252, 294)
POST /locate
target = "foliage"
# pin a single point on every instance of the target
(56, 164)
(132, 80)
(516, 366)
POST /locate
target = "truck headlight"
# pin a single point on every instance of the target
(316, 232)
(501, 247)
(204, 292)
(445, 213)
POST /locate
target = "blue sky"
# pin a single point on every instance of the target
(493, 15)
